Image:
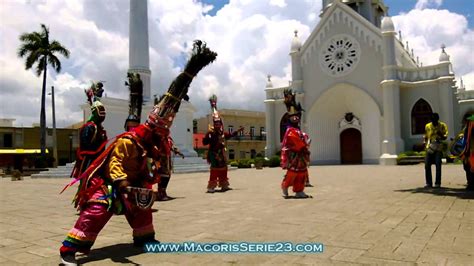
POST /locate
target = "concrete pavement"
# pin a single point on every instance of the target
(363, 214)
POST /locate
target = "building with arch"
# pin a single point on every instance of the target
(366, 97)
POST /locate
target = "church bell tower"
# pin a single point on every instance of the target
(372, 10)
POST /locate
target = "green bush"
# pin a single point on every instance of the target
(410, 157)
(266, 163)
(274, 161)
(260, 160)
(244, 163)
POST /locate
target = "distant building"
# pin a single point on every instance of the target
(248, 144)
(20, 145)
(6, 122)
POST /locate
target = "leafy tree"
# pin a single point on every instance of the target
(39, 50)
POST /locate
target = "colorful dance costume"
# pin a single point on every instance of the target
(124, 163)
(467, 154)
(166, 168)
(295, 150)
(216, 155)
(130, 163)
(92, 135)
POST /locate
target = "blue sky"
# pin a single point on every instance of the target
(464, 7)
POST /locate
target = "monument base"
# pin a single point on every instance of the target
(388, 159)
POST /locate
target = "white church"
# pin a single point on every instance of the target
(366, 97)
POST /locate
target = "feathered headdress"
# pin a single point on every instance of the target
(94, 93)
(292, 107)
(215, 114)
(163, 112)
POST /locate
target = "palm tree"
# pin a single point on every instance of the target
(39, 50)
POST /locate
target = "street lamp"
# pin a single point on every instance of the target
(55, 144)
(70, 148)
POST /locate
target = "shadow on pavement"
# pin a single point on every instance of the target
(118, 253)
(461, 193)
(298, 198)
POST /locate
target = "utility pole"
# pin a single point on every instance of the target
(55, 143)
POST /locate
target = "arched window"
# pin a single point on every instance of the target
(283, 126)
(420, 116)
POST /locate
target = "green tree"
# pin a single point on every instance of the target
(39, 50)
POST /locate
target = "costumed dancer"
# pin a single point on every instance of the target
(467, 155)
(135, 86)
(119, 181)
(166, 165)
(295, 149)
(216, 155)
(92, 135)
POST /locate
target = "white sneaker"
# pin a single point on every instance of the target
(285, 192)
(211, 190)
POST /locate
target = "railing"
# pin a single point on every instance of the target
(257, 138)
(423, 73)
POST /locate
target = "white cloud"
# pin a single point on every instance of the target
(252, 39)
(426, 30)
(278, 3)
(422, 4)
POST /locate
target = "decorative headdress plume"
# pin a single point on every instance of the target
(168, 104)
(94, 93)
(215, 114)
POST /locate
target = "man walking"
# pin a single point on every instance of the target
(436, 133)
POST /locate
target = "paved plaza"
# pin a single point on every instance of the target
(366, 214)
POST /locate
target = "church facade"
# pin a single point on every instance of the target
(366, 97)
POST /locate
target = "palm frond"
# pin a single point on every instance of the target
(41, 66)
(45, 32)
(33, 37)
(55, 46)
(54, 62)
(31, 59)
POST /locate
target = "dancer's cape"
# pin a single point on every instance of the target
(97, 168)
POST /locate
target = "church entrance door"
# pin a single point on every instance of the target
(351, 146)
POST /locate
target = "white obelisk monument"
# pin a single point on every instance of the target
(138, 50)
(139, 62)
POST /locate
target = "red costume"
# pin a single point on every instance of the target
(166, 167)
(216, 155)
(119, 181)
(295, 150)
